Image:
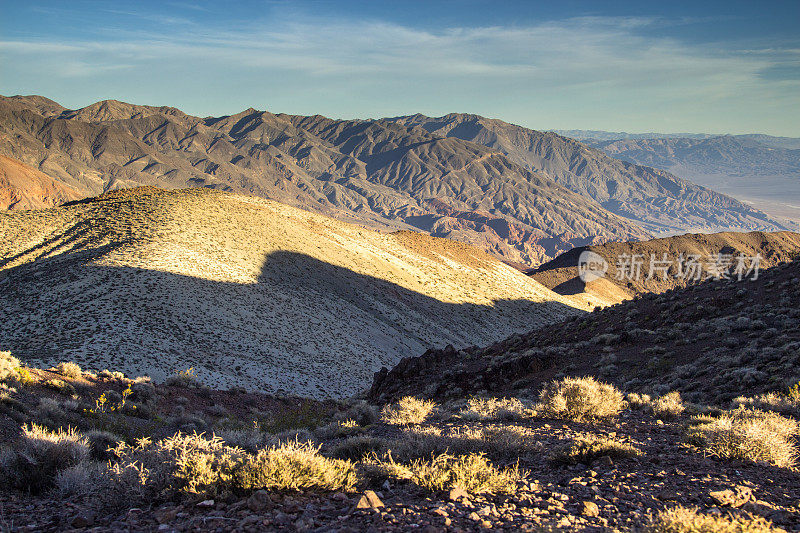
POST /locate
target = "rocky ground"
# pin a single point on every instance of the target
(712, 342)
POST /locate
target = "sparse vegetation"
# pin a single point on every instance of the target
(294, 466)
(32, 464)
(69, 370)
(580, 399)
(749, 435)
(183, 378)
(473, 473)
(668, 406)
(495, 409)
(690, 520)
(8, 366)
(407, 410)
(589, 448)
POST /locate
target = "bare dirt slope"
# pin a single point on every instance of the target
(561, 274)
(23, 187)
(247, 291)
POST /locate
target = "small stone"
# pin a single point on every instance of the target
(486, 524)
(457, 493)
(259, 501)
(81, 521)
(440, 512)
(474, 516)
(668, 495)
(369, 500)
(164, 516)
(735, 498)
(605, 460)
(206, 504)
(590, 509)
(339, 496)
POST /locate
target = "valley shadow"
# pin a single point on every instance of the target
(320, 324)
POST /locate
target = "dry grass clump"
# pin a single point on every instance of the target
(580, 399)
(779, 403)
(749, 435)
(250, 439)
(668, 406)
(360, 446)
(69, 370)
(32, 464)
(689, 520)
(407, 410)
(495, 409)
(294, 466)
(588, 448)
(183, 378)
(8, 366)
(637, 401)
(473, 472)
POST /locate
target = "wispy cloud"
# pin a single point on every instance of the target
(593, 58)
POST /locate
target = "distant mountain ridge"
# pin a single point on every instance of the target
(770, 141)
(525, 203)
(377, 173)
(653, 198)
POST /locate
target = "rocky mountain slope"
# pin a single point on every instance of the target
(247, 291)
(716, 254)
(653, 198)
(23, 187)
(728, 155)
(711, 342)
(762, 170)
(376, 172)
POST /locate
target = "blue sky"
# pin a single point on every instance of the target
(718, 67)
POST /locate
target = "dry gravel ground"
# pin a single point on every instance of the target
(247, 291)
(607, 494)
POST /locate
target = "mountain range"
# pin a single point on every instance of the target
(760, 169)
(526, 200)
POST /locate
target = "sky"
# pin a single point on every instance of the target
(701, 66)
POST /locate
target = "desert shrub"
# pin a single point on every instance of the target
(689, 520)
(407, 410)
(295, 466)
(494, 409)
(250, 439)
(23, 376)
(778, 403)
(69, 369)
(102, 443)
(588, 448)
(60, 386)
(496, 442)
(341, 428)
(361, 413)
(108, 374)
(148, 470)
(749, 435)
(8, 366)
(358, 447)
(183, 378)
(580, 399)
(80, 480)
(636, 400)
(668, 406)
(32, 464)
(473, 472)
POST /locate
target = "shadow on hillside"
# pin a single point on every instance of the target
(306, 324)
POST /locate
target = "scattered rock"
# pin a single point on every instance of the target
(590, 509)
(735, 497)
(369, 500)
(458, 493)
(206, 504)
(259, 501)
